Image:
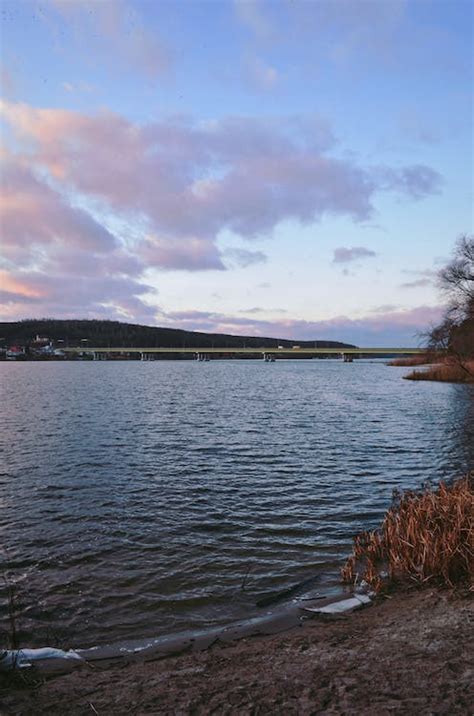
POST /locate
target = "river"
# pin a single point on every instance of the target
(144, 498)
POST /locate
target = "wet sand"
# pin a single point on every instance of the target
(410, 654)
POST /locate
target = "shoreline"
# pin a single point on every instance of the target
(409, 653)
(286, 615)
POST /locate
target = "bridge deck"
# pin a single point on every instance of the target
(241, 351)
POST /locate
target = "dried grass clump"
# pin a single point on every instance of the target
(425, 537)
(409, 361)
(446, 372)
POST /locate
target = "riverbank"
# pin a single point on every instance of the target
(447, 372)
(436, 368)
(410, 653)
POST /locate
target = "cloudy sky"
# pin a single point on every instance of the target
(287, 168)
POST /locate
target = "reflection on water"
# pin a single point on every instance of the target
(142, 498)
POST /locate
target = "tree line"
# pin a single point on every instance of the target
(104, 333)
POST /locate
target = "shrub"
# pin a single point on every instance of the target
(425, 537)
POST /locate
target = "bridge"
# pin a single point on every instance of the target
(202, 353)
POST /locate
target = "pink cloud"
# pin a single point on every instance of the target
(423, 277)
(177, 184)
(258, 309)
(16, 286)
(260, 74)
(339, 30)
(251, 13)
(418, 283)
(58, 260)
(114, 31)
(415, 181)
(192, 254)
(244, 257)
(74, 295)
(344, 255)
(77, 87)
(196, 180)
(399, 327)
(34, 217)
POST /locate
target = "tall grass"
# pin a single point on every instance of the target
(409, 361)
(445, 372)
(425, 537)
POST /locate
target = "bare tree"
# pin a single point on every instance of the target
(438, 338)
(456, 280)
(454, 336)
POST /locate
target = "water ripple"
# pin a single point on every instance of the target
(141, 498)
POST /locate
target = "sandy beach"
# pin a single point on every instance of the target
(410, 653)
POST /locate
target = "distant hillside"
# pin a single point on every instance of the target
(115, 333)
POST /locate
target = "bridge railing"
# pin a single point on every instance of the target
(244, 350)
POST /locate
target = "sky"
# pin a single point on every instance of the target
(259, 167)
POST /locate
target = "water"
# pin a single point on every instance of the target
(140, 499)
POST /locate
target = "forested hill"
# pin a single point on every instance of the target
(115, 333)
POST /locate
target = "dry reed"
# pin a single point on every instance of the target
(409, 361)
(445, 372)
(426, 537)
